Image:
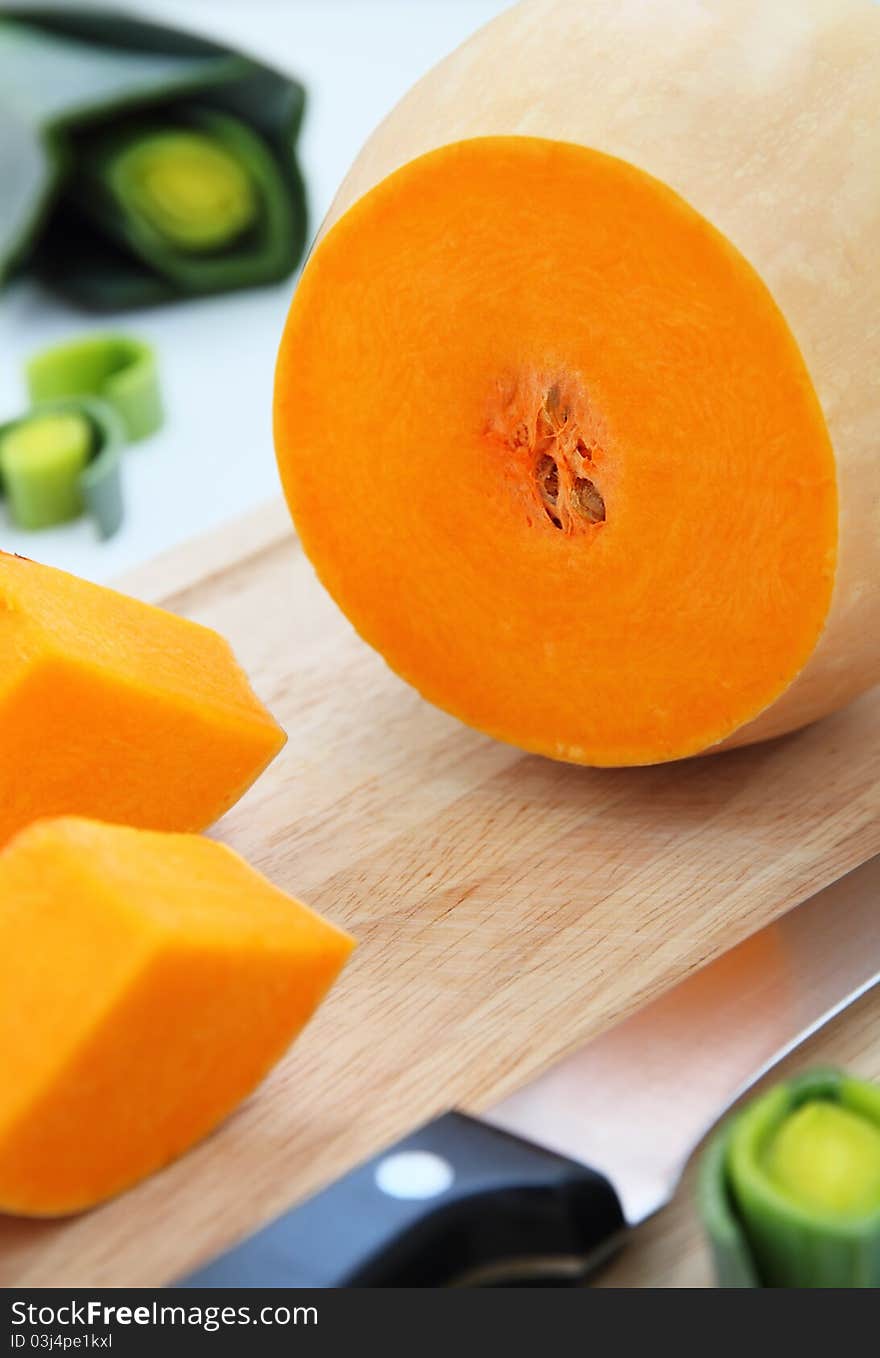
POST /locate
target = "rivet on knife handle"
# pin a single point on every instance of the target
(455, 1202)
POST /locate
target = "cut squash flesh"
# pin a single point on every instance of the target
(113, 709)
(663, 219)
(147, 983)
(565, 468)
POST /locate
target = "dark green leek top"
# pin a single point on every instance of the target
(133, 151)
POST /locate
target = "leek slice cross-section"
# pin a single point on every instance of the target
(200, 202)
(827, 1158)
(141, 163)
(185, 186)
(790, 1187)
(56, 70)
(62, 460)
(41, 459)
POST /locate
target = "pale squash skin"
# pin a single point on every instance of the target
(779, 150)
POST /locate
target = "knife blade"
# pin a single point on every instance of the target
(544, 1185)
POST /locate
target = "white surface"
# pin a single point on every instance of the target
(214, 457)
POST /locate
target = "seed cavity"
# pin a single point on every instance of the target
(552, 443)
(547, 477)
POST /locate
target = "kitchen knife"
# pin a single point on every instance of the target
(542, 1187)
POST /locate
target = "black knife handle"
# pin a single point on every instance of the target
(456, 1202)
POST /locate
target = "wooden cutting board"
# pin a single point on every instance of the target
(506, 907)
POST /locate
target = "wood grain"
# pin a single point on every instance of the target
(506, 908)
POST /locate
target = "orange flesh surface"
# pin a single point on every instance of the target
(147, 983)
(114, 709)
(552, 447)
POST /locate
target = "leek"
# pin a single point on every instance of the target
(187, 188)
(790, 1187)
(62, 460)
(140, 163)
(827, 1159)
(41, 459)
(118, 369)
(198, 204)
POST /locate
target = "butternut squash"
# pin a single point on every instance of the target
(113, 709)
(147, 983)
(576, 408)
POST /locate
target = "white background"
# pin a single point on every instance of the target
(214, 457)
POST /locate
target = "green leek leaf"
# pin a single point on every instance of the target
(50, 75)
(71, 82)
(49, 80)
(127, 184)
(30, 162)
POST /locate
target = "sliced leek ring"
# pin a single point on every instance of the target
(62, 460)
(118, 369)
(790, 1187)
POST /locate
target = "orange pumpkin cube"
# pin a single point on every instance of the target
(114, 709)
(147, 983)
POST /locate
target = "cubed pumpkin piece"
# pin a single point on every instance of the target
(113, 709)
(148, 981)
